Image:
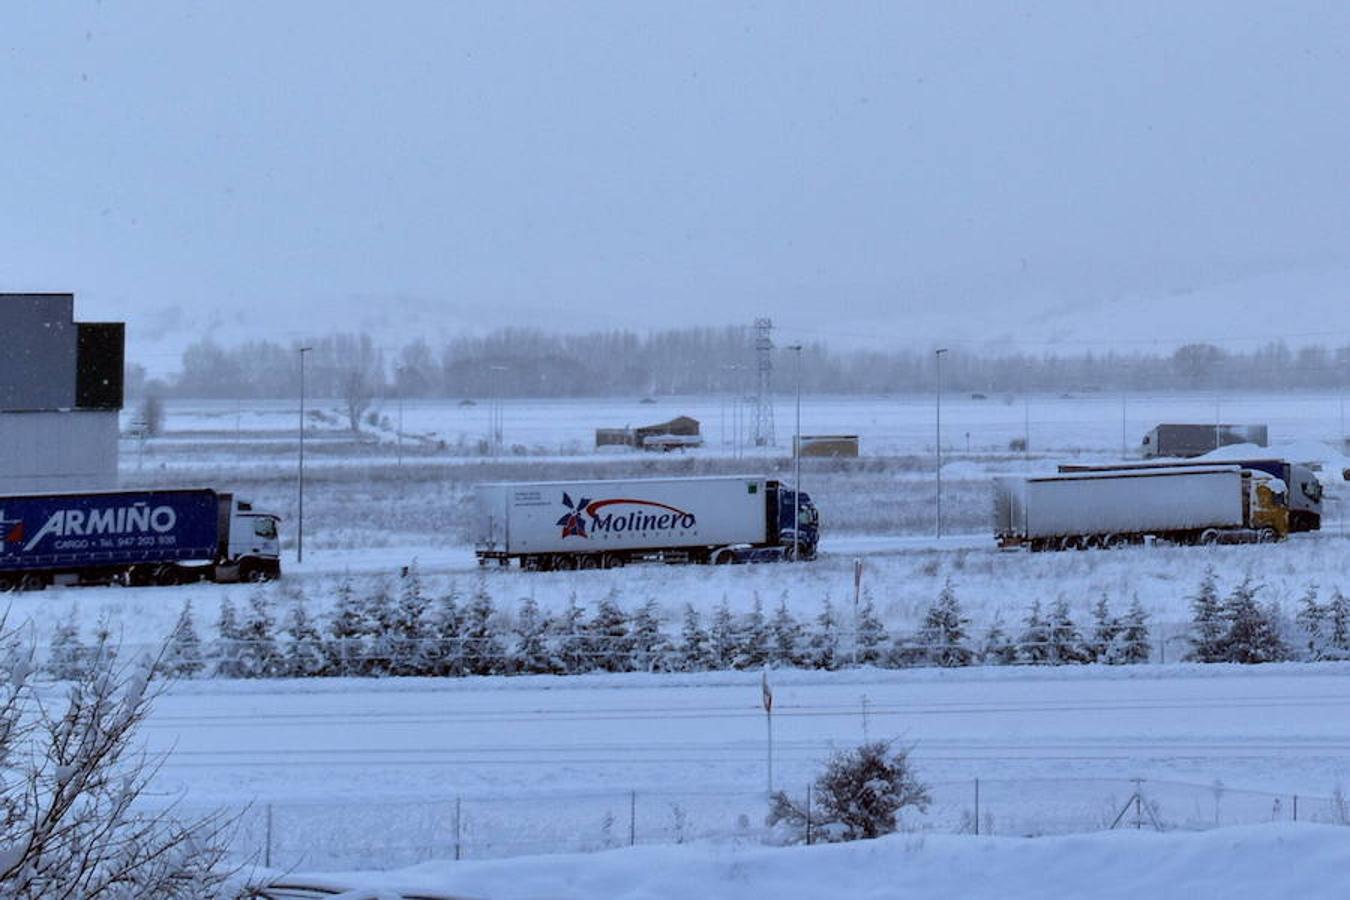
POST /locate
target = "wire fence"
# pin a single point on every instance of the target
(320, 836)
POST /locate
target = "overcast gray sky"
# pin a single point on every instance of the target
(849, 168)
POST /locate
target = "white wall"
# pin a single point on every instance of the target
(58, 451)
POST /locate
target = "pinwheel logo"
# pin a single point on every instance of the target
(573, 523)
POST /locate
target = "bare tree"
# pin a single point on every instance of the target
(358, 393)
(70, 826)
(151, 414)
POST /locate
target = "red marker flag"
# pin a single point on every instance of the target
(767, 692)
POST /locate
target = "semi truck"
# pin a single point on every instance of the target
(1196, 440)
(1183, 505)
(1303, 497)
(134, 538)
(556, 525)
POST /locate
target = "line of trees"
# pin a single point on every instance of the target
(397, 628)
(518, 362)
(1238, 628)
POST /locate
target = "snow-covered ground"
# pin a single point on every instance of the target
(372, 773)
(1247, 863)
(1083, 422)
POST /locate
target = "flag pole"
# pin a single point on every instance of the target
(766, 695)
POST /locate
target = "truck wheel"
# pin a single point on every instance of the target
(1267, 535)
(1115, 541)
(590, 561)
(255, 575)
(33, 582)
(723, 558)
(166, 575)
(612, 561)
(1209, 537)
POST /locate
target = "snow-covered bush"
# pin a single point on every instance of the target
(858, 796)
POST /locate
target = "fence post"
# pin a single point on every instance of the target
(808, 815)
(1296, 807)
(632, 818)
(977, 807)
(457, 832)
(267, 848)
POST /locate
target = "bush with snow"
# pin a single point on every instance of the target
(858, 796)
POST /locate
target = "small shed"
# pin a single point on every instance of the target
(682, 431)
(613, 437)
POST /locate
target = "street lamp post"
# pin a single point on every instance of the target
(398, 386)
(300, 516)
(495, 412)
(938, 354)
(797, 460)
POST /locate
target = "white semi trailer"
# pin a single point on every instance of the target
(1195, 505)
(603, 524)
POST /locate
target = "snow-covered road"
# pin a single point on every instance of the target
(449, 559)
(1283, 728)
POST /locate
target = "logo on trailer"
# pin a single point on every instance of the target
(586, 519)
(138, 518)
(573, 525)
(12, 529)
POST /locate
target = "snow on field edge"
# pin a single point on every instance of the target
(1262, 861)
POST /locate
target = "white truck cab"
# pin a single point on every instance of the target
(253, 548)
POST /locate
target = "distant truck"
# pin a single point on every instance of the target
(1183, 505)
(1195, 440)
(1303, 497)
(134, 538)
(557, 525)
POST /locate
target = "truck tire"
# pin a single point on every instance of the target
(1267, 535)
(166, 575)
(724, 557)
(612, 561)
(1209, 537)
(254, 574)
(590, 561)
(33, 581)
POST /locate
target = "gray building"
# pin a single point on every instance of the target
(60, 396)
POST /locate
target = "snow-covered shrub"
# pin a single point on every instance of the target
(1207, 621)
(942, 638)
(183, 653)
(1253, 636)
(858, 796)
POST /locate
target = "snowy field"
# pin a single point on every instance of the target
(363, 773)
(372, 773)
(360, 496)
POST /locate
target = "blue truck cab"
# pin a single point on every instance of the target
(807, 523)
(783, 541)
